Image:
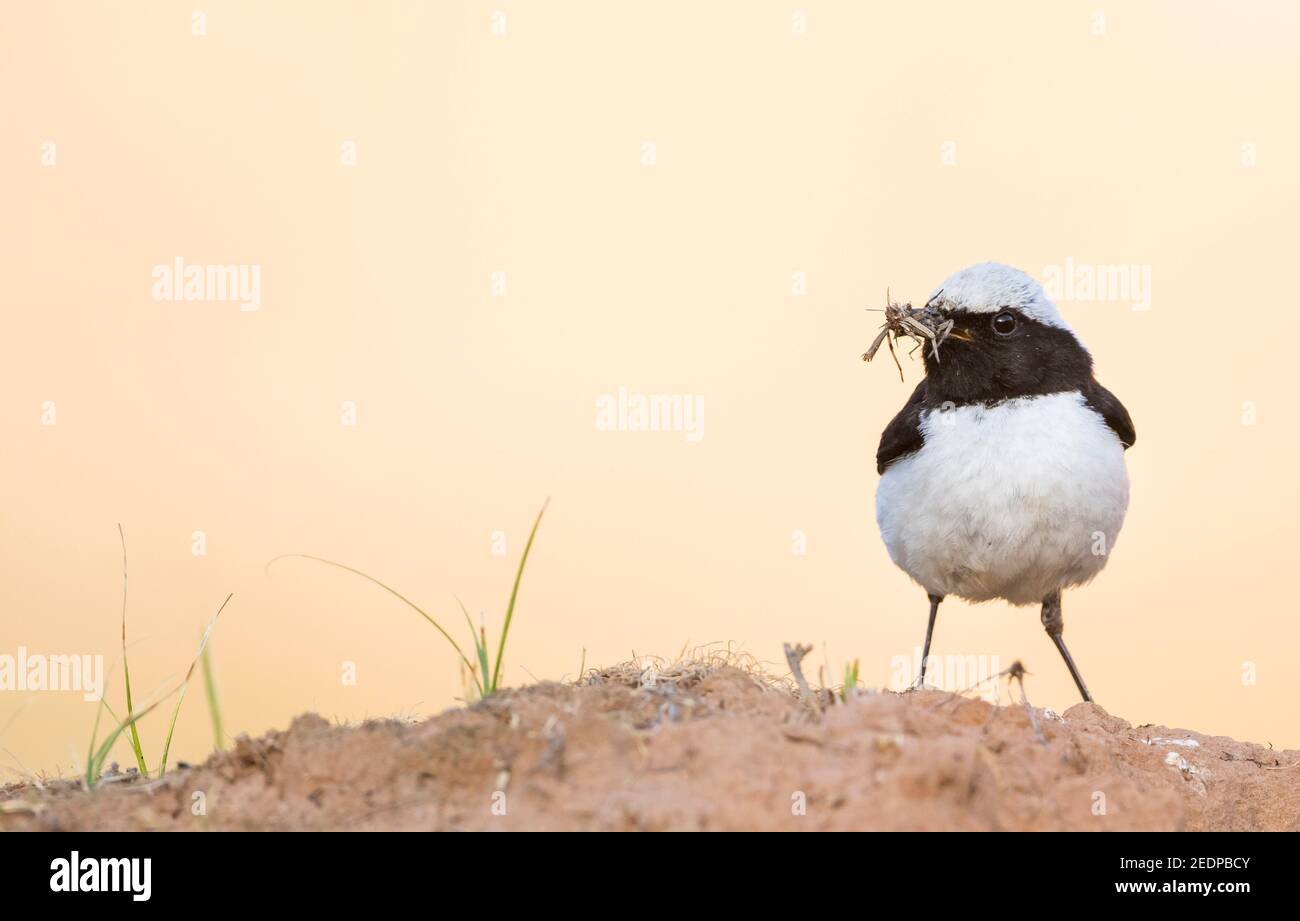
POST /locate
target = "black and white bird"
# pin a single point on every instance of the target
(1003, 476)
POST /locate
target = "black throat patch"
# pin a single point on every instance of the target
(1031, 359)
(987, 367)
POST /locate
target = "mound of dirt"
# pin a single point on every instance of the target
(701, 746)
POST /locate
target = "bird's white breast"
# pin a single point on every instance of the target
(1014, 501)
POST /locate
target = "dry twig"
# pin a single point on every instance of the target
(794, 655)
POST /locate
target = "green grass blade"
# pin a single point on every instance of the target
(391, 591)
(101, 754)
(176, 711)
(99, 764)
(126, 670)
(91, 775)
(480, 648)
(514, 593)
(130, 707)
(214, 707)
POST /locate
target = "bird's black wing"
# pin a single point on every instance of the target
(903, 435)
(1108, 406)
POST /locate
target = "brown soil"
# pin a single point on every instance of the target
(702, 746)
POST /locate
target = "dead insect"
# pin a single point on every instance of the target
(925, 325)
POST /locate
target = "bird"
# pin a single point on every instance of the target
(1004, 475)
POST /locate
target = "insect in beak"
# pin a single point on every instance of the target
(960, 335)
(926, 327)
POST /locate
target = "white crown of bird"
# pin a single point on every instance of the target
(991, 286)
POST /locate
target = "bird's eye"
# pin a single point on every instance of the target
(1004, 324)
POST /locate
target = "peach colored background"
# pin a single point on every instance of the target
(521, 153)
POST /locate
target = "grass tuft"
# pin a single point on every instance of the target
(485, 674)
(850, 681)
(96, 756)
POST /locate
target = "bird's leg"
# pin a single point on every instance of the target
(929, 632)
(1055, 626)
